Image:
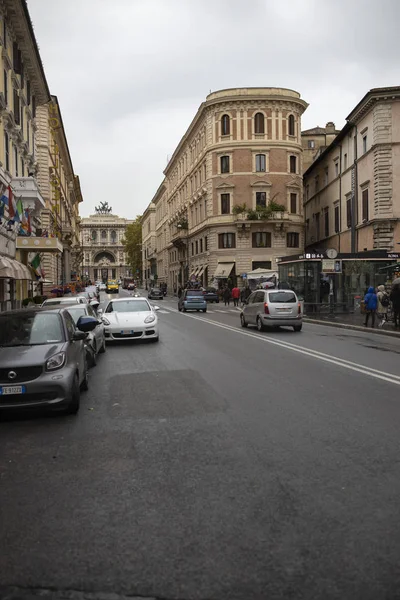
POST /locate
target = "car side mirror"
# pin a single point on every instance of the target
(86, 324)
(79, 336)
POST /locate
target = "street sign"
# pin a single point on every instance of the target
(244, 276)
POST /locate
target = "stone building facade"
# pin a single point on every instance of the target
(315, 140)
(103, 254)
(23, 89)
(231, 199)
(352, 190)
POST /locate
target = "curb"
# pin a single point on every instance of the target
(353, 327)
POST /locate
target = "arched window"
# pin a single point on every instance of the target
(291, 125)
(259, 123)
(113, 237)
(94, 235)
(104, 234)
(225, 125)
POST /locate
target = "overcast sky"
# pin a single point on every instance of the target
(130, 74)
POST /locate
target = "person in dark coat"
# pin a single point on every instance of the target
(227, 296)
(395, 300)
(371, 304)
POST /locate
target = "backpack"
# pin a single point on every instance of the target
(385, 300)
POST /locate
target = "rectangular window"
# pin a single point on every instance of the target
(293, 240)
(5, 75)
(22, 120)
(260, 163)
(17, 111)
(317, 183)
(224, 164)
(261, 199)
(197, 247)
(317, 227)
(364, 144)
(293, 203)
(261, 239)
(345, 161)
(7, 150)
(28, 92)
(336, 168)
(4, 32)
(15, 160)
(192, 249)
(206, 243)
(307, 191)
(326, 175)
(348, 211)
(337, 221)
(311, 144)
(201, 245)
(226, 240)
(34, 106)
(16, 56)
(365, 205)
(326, 222)
(293, 164)
(225, 204)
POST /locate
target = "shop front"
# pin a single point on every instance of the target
(225, 275)
(336, 285)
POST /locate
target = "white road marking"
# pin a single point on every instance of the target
(346, 364)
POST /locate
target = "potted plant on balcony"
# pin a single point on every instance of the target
(182, 224)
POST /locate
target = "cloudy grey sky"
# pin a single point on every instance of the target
(130, 74)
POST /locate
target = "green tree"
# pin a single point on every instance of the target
(133, 246)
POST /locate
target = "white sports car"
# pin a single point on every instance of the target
(130, 319)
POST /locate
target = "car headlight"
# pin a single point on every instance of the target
(105, 321)
(55, 362)
(150, 319)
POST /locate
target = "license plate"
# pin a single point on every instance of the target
(283, 309)
(12, 389)
(126, 332)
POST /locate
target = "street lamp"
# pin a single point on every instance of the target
(181, 228)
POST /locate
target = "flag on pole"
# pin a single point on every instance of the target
(35, 264)
(24, 226)
(9, 200)
(28, 218)
(19, 211)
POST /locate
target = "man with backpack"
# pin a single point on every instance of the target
(383, 305)
(371, 304)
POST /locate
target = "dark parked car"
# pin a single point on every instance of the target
(155, 294)
(43, 359)
(211, 295)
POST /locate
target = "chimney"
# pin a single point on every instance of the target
(330, 127)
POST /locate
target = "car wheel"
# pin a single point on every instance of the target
(260, 325)
(184, 309)
(217, 301)
(103, 346)
(179, 308)
(85, 382)
(204, 310)
(243, 321)
(74, 403)
(297, 327)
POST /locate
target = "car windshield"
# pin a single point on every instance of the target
(280, 297)
(194, 293)
(30, 329)
(156, 290)
(128, 306)
(77, 311)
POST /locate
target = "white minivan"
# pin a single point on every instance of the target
(272, 308)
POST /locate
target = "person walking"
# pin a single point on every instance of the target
(227, 296)
(383, 304)
(371, 304)
(395, 299)
(236, 296)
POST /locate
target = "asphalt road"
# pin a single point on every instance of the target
(217, 464)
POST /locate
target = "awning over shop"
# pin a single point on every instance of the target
(262, 274)
(13, 269)
(223, 270)
(200, 273)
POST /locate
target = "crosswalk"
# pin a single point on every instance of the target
(165, 310)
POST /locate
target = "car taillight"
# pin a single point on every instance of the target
(266, 309)
(299, 310)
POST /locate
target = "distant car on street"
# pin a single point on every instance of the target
(43, 359)
(272, 308)
(102, 287)
(192, 300)
(155, 294)
(131, 287)
(112, 287)
(130, 318)
(211, 295)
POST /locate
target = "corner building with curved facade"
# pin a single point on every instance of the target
(242, 150)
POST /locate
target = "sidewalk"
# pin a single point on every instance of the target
(352, 321)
